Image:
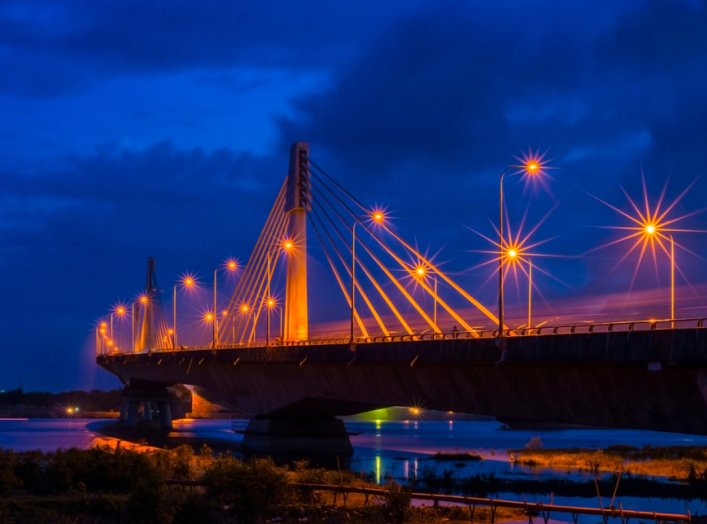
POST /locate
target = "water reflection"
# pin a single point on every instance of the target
(403, 451)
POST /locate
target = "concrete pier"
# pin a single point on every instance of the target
(153, 404)
(297, 437)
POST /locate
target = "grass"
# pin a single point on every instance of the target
(685, 463)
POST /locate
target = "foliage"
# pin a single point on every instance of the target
(247, 489)
(397, 503)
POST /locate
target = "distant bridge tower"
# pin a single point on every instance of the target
(297, 204)
(149, 312)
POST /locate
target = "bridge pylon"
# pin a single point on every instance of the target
(149, 313)
(297, 204)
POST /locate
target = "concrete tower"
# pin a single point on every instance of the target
(297, 204)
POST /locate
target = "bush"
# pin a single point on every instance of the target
(247, 489)
(397, 503)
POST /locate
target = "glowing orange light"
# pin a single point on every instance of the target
(532, 165)
(120, 310)
(170, 331)
(288, 245)
(188, 281)
(110, 343)
(512, 253)
(378, 216)
(244, 308)
(224, 313)
(208, 317)
(420, 271)
(271, 302)
(143, 299)
(231, 264)
(415, 411)
(649, 226)
(104, 325)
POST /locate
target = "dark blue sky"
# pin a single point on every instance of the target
(134, 129)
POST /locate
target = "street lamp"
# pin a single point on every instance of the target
(143, 300)
(516, 254)
(532, 165)
(245, 309)
(230, 265)
(651, 230)
(210, 318)
(421, 273)
(377, 216)
(270, 303)
(120, 312)
(188, 281)
(102, 329)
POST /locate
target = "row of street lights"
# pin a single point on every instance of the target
(650, 229)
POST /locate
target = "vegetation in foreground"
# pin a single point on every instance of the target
(684, 463)
(116, 485)
(106, 485)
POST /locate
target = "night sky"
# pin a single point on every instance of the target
(132, 129)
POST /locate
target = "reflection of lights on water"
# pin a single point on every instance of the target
(415, 424)
(378, 428)
(451, 425)
(414, 469)
(378, 469)
(406, 469)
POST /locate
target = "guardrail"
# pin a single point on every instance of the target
(564, 329)
(531, 509)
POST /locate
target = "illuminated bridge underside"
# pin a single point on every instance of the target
(650, 380)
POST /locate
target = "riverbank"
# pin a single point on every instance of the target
(111, 485)
(683, 463)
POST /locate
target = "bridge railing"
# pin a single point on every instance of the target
(562, 329)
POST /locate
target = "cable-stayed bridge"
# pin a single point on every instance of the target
(412, 336)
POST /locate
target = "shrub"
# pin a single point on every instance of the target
(247, 489)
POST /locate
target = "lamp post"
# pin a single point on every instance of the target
(672, 281)
(188, 282)
(378, 217)
(421, 273)
(353, 280)
(210, 318)
(245, 308)
(132, 327)
(118, 311)
(530, 293)
(230, 265)
(532, 166)
(270, 304)
(103, 327)
(652, 230)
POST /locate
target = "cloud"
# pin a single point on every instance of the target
(76, 240)
(54, 48)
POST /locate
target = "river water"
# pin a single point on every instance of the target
(405, 450)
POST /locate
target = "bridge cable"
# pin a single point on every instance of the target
(360, 289)
(359, 321)
(382, 266)
(370, 276)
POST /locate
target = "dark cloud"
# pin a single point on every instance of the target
(56, 47)
(417, 108)
(79, 238)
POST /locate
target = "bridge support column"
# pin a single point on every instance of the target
(129, 412)
(159, 404)
(291, 438)
(165, 415)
